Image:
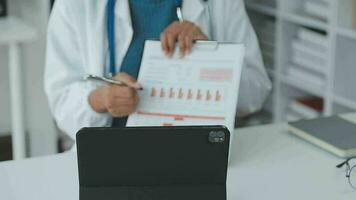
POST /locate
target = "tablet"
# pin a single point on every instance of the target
(145, 163)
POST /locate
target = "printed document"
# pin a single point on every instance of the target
(199, 89)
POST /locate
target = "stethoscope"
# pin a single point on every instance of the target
(110, 29)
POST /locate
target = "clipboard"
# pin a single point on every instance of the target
(200, 89)
(213, 45)
(206, 44)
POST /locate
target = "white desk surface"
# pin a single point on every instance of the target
(267, 163)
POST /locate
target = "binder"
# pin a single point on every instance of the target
(309, 58)
(317, 9)
(147, 163)
(332, 134)
(306, 76)
(313, 38)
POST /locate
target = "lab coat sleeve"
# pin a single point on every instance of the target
(66, 91)
(255, 85)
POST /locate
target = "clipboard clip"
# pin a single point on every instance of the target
(210, 45)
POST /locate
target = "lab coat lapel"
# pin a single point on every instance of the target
(96, 40)
(123, 35)
(192, 10)
(196, 11)
(122, 12)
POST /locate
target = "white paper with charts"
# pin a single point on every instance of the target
(201, 89)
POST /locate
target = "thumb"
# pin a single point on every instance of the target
(128, 80)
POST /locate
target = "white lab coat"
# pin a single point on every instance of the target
(77, 46)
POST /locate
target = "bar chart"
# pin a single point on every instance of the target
(189, 94)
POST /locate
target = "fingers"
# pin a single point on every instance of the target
(127, 80)
(164, 44)
(171, 44)
(120, 91)
(184, 33)
(189, 45)
(169, 37)
(122, 110)
(185, 43)
(123, 107)
(168, 43)
(186, 39)
(121, 101)
(182, 45)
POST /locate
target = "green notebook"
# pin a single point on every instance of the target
(333, 134)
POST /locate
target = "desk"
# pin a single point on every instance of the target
(267, 163)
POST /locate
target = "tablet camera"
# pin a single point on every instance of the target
(217, 137)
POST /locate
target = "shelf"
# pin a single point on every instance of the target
(264, 9)
(345, 102)
(292, 117)
(346, 32)
(302, 85)
(15, 30)
(288, 17)
(303, 110)
(305, 21)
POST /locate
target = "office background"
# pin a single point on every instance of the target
(308, 48)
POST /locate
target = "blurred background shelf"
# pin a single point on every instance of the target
(304, 21)
(345, 32)
(303, 85)
(15, 30)
(26, 21)
(314, 54)
(345, 102)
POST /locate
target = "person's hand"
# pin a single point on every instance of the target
(182, 32)
(120, 101)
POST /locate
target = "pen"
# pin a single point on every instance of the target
(180, 15)
(107, 80)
